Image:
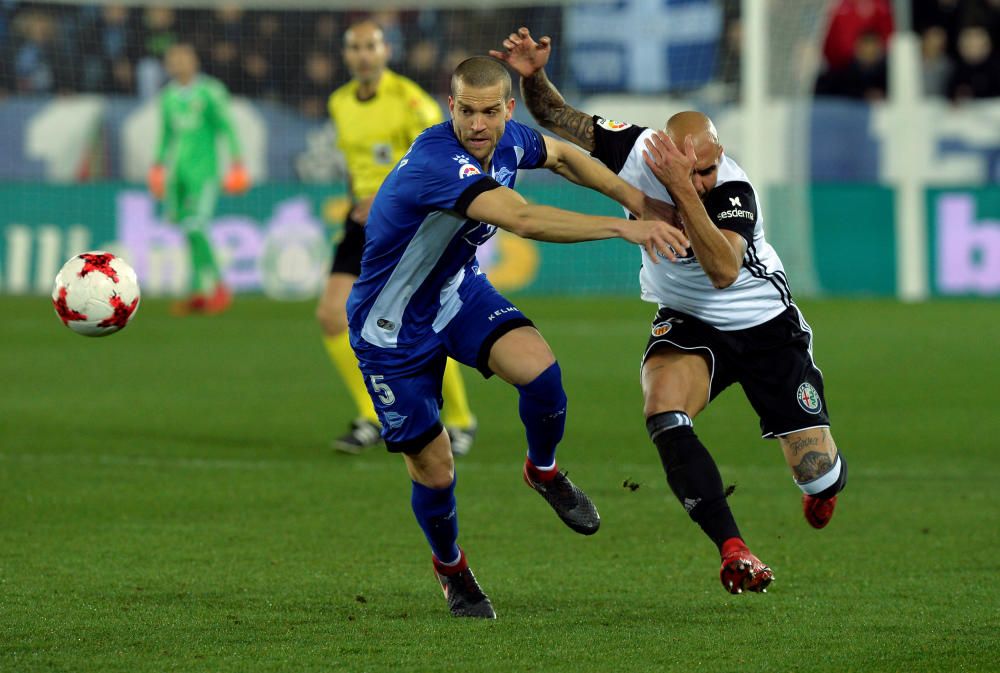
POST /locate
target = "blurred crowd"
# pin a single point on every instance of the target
(294, 56)
(288, 56)
(958, 45)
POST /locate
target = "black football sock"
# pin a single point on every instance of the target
(692, 474)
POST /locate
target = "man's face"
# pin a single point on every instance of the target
(479, 117)
(706, 168)
(181, 63)
(365, 53)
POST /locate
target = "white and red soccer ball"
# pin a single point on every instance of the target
(96, 293)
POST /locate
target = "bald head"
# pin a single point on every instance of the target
(706, 146)
(699, 127)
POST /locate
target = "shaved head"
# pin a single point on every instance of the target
(481, 71)
(707, 149)
(699, 127)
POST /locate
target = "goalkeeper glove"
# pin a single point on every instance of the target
(157, 180)
(237, 180)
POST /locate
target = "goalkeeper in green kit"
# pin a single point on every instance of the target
(195, 110)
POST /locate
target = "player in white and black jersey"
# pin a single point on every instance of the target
(725, 312)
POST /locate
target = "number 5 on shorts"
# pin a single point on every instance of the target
(382, 389)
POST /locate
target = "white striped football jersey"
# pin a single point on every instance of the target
(759, 293)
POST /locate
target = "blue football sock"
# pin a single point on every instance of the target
(438, 517)
(543, 412)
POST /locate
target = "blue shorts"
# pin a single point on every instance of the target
(406, 391)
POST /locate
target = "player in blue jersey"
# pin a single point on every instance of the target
(421, 297)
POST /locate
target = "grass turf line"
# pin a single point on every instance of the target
(168, 502)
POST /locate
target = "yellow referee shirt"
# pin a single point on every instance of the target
(374, 134)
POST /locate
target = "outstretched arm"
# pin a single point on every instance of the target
(508, 210)
(578, 168)
(546, 104)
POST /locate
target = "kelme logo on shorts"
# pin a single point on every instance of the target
(808, 398)
(661, 329)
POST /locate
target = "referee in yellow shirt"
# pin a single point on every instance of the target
(377, 114)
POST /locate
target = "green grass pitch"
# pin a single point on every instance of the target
(168, 502)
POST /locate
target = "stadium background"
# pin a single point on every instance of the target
(80, 81)
(167, 497)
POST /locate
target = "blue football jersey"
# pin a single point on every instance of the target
(419, 244)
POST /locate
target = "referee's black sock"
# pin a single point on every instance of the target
(692, 474)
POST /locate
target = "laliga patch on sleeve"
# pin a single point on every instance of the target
(465, 170)
(612, 125)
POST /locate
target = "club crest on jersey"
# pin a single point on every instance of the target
(612, 125)
(465, 170)
(808, 398)
(503, 176)
(662, 328)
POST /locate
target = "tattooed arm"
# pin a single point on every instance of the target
(546, 104)
(550, 110)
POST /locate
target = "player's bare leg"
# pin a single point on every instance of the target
(675, 380)
(675, 387)
(522, 358)
(432, 471)
(819, 470)
(331, 312)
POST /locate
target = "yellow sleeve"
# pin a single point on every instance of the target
(331, 108)
(425, 111)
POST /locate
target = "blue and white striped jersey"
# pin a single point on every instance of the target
(419, 244)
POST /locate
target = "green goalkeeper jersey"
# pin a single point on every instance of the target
(193, 117)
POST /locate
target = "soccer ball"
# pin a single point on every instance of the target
(96, 293)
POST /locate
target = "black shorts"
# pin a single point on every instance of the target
(771, 361)
(347, 256)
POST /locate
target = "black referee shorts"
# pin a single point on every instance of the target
(347, 256)
(772, 362)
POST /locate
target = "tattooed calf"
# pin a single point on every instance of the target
(813, 465)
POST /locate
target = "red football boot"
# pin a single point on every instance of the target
(219, 300)
(193, 304)
(818, 511)
(741, 570)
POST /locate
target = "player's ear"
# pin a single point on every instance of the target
(510, 108)
(451, 106)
